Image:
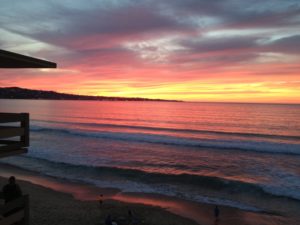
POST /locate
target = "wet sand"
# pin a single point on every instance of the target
(54, 201)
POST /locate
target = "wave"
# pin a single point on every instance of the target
(133, 180)
(148, 128)
(218, 144)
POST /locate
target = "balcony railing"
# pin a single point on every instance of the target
(14, 133)
(15, 212)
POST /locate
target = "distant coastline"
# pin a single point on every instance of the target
(23, 93)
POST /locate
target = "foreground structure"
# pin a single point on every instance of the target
(14, 137)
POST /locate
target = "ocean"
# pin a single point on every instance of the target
(232, 154)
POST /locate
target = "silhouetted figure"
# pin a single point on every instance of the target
(130, 216)
(11, 190)
(100, 200)
(217, 212)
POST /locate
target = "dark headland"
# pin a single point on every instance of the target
(22, 93)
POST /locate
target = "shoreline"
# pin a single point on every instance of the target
(184, 212)
(52, 207)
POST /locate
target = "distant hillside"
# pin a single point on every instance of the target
(22, 93)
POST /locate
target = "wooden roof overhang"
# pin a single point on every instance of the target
(14, 60)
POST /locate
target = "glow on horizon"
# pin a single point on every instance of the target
(192, 51)
(205, 92)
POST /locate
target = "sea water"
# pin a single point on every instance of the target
(205, 152)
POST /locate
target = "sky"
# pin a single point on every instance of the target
(192, 50)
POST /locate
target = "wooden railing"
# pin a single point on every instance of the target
(14, 133)
(15, 212)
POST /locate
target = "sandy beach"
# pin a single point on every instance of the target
(54, 201)
(52, 207)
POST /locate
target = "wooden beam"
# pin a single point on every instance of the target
(9, 117)
(8, 142)
(12, 147)
(13, 117)
(18, 211)
(7, 132)
(20, 202)
(13, 218)
(14, 60)
(6, 151)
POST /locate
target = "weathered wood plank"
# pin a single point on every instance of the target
(17, 203)
(21, 205)
(7, 132)
(12, 219)
(6, 151)
(10, 147)
(12, 117)
(8, 142)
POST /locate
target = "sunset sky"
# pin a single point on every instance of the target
(196, 50)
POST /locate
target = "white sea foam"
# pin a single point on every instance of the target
(246, 145)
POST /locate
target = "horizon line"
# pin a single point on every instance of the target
(174, 100)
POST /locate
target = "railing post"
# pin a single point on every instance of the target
(25, 125)
(26, 210)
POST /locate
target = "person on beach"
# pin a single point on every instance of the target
(217, 212)
(11, 190)
(100, 200)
